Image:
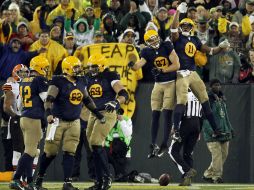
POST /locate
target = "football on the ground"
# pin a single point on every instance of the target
(164, 179)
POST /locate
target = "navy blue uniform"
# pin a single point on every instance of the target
(30, 88)
(30, 123)
(100, 89)
(159, 58)
(186, 48)
(190, 45)
(68, 103)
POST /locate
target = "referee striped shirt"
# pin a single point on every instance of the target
(193, 106)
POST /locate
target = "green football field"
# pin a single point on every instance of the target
(129, 186)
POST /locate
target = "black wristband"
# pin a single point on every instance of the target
(97, 114)
(48, 112)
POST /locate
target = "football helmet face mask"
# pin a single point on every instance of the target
(186, 26)
(96, 64)
(152, 39)
(72, 66)
(40, 64)
(19, 72)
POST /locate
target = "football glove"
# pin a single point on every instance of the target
(15, 119)
(112, 105)
(176, 136)
(131, 64)
(100, 116)
(155, 71)
(224, 44)
(103, 120)
(182, 8)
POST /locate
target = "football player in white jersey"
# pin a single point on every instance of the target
(12, 106)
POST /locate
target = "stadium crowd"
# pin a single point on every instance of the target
(55, 31)
(62, 27)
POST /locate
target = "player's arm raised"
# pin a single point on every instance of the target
(214, 50)
(174, 27)
(182, 8)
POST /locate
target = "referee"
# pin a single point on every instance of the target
(189, 133)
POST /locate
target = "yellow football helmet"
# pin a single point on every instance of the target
(186, 26)
(187, 21)
(71, 66)
(152, 39)
(40, 64)
(97, 63)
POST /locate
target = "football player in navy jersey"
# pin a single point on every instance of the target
(164, 62)
(65, 97)
(108, 93)
(186, 46)
(33, 92)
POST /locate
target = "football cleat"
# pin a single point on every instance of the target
(163, 149)
(207, 179)
(153, 151)
(16, 184)
(38, 183)
(176, 136)
(69, 186)
(218, 180)
(97, 186)
(107, 182)
(191, 173)
(187, 177)
(31, 186)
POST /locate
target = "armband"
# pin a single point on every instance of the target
(97, 113)
(173, 30)
(211, 51)
(87, 100)
(50, 98)
(124, 93)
